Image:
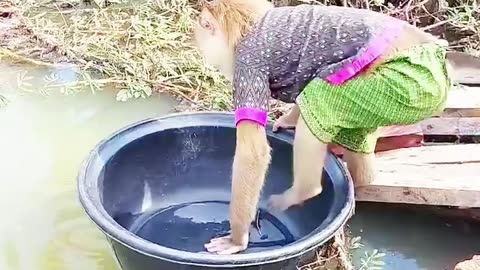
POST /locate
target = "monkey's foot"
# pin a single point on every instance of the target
(291, 198)
(225, 245)
(284, 123)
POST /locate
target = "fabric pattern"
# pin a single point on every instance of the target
(410, 87)
(291, 46)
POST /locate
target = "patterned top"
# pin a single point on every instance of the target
(290, 46)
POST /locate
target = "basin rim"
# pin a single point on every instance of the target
(89, 197)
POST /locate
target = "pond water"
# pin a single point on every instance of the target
(43, 140)
(413, 238)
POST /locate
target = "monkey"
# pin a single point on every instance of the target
(347, 71)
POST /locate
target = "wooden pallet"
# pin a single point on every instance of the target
(442, 173)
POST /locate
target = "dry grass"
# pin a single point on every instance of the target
(140, 48)
(335, 255)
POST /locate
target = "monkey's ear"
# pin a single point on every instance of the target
(207, 24)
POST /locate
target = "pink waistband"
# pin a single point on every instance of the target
(375, 49)
(251, 114)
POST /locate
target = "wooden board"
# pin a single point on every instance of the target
(464, 97)
(461, 117)
(432, 175)
(465, 67)
(461, 112)
(451, 126)
(436, 174)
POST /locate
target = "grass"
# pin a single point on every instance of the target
(465, 26)
(139, 46)
(370, 260)
(337, 255)
(3, 101)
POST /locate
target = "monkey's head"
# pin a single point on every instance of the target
(221, 24)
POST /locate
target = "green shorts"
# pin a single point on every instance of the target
(410, 87)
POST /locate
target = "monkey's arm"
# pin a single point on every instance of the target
(250, 165)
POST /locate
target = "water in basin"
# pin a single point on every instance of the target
(189, 226)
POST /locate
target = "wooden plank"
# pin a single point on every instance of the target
(461, 112)
(464, 97)
(451, 126)
(461, 116)
(465, 68)
(447, 175)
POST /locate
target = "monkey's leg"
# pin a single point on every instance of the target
(309, 159)
(361, 166)
(361, 163)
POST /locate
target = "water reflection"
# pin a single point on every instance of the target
(53, 234)
(414, 238)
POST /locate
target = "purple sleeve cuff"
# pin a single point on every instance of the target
(252, 114)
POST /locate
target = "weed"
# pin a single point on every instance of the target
(140, 46)
(3, 101)
(372, 261)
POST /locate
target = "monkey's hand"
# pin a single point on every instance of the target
(226, 246)
(288, 120)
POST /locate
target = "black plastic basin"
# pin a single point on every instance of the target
(159, 190)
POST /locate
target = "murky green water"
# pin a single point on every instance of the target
(414, 239)
(43, 140)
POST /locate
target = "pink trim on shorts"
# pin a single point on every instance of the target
(374, 50)
(252, 114)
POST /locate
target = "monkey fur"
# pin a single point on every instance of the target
(250, 165)
(308, 161)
